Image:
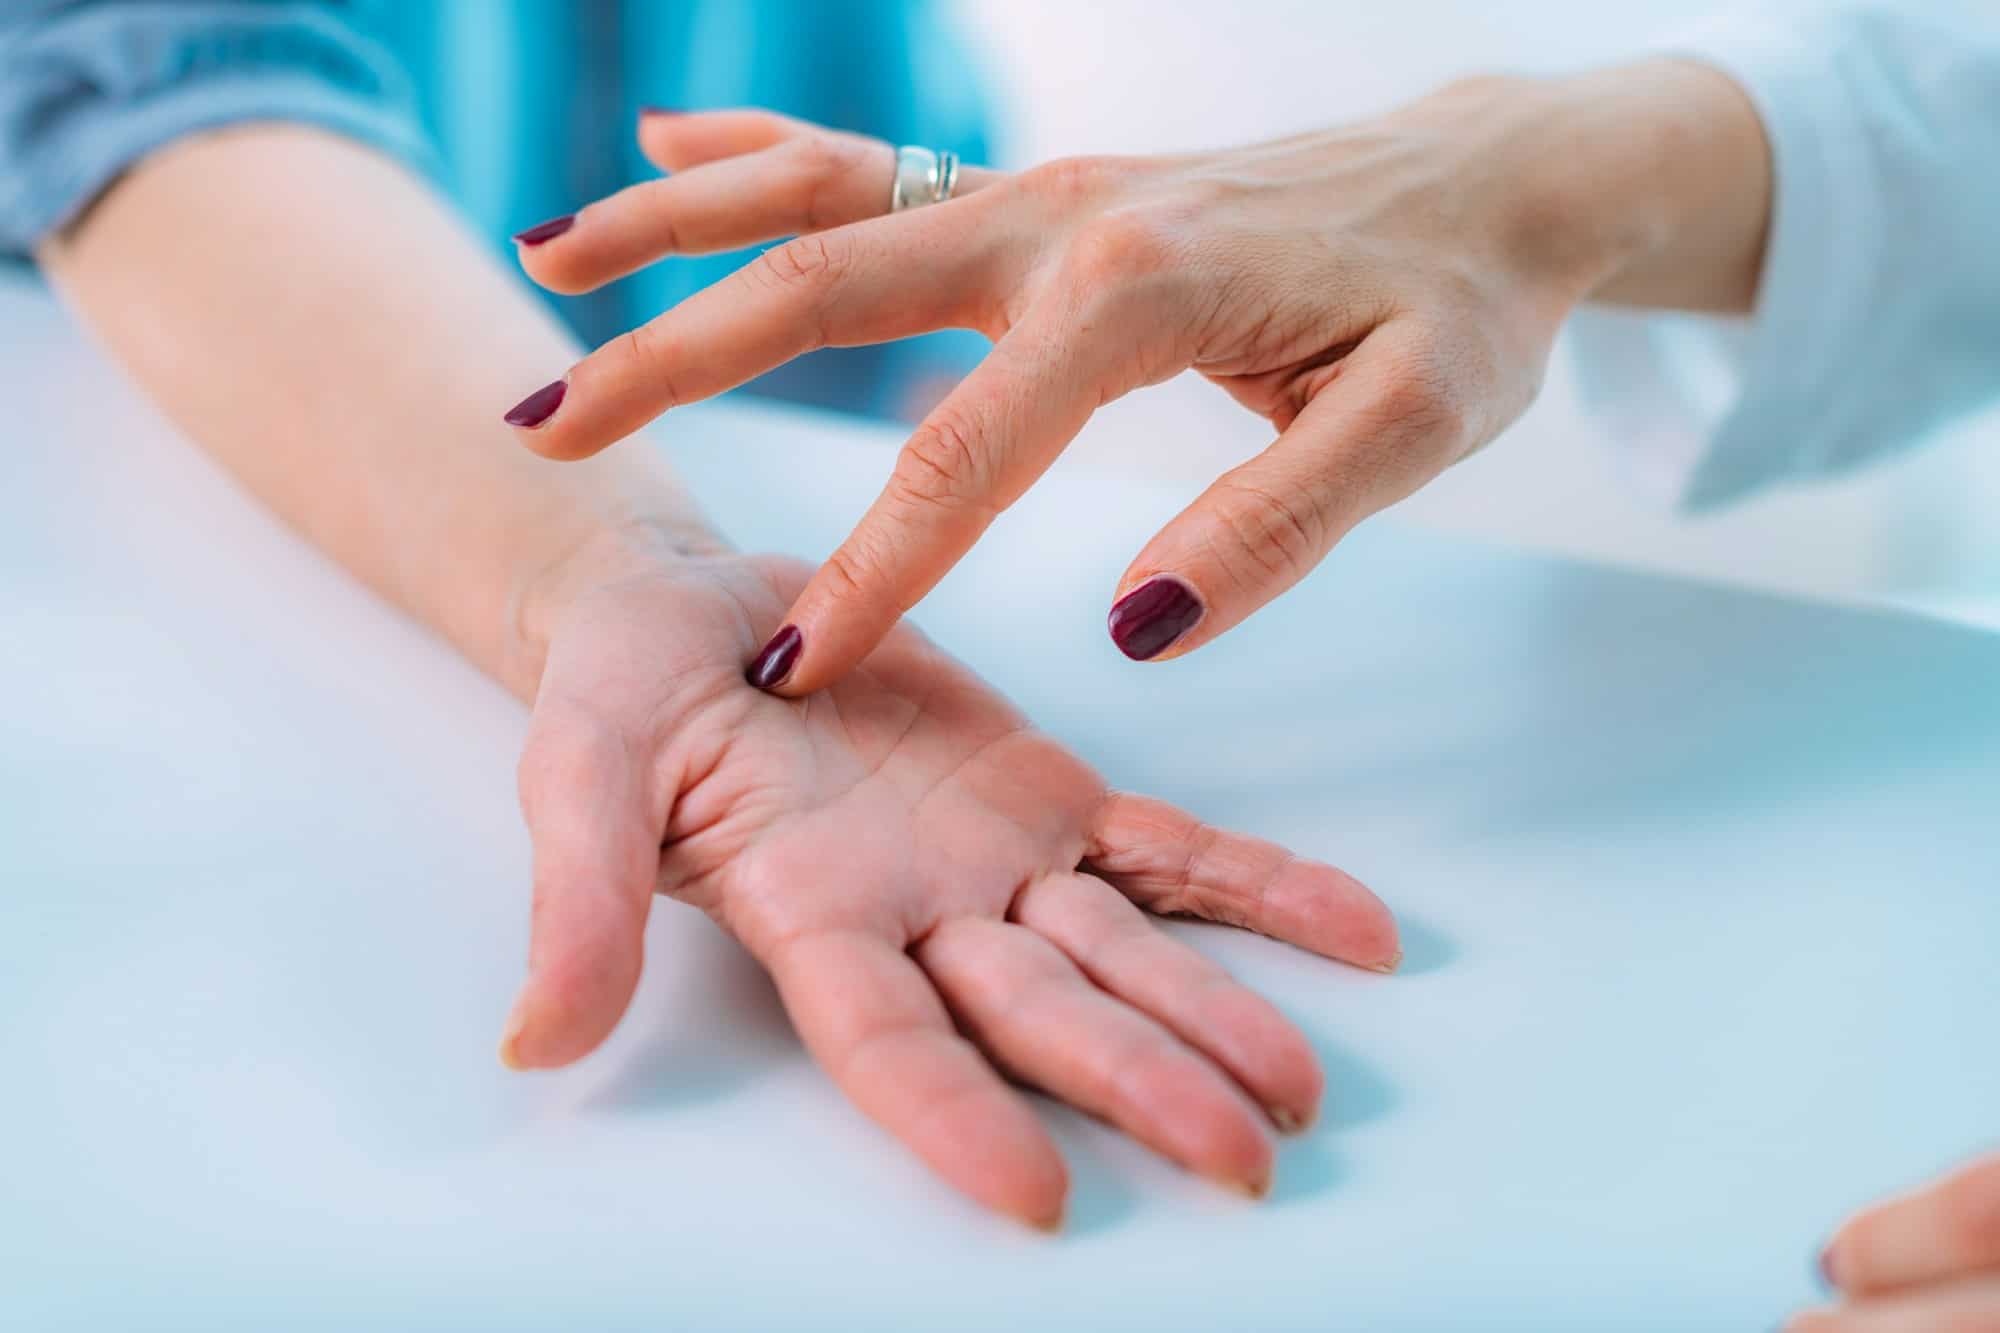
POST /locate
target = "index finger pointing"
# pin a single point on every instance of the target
(975, 454)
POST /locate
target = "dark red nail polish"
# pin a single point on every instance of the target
(538, 406)
(1148, 620)
(546, 231)
(770, 667)
(650, 110)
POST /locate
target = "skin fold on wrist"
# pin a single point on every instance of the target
(608, 553)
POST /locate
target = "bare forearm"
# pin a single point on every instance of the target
(314, 317)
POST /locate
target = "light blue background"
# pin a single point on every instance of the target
(1698, 886)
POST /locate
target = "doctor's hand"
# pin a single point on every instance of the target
(945, 897)
(1384, 294)
(1925, 1262)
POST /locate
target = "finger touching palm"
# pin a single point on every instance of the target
(942, 894)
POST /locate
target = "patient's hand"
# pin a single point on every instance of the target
(941, 892)
(1924, 1262)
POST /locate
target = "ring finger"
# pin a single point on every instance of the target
(787, 178)
(1034, 1014)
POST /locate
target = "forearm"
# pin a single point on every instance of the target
(313, 317)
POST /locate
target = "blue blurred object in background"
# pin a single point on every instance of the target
(534, 105)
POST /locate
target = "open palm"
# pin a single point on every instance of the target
(941, 892)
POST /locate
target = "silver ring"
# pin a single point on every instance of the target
(922, 177)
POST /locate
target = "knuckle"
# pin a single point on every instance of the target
(1418, 399)
(1119, 246)
(815, 264)
(828, 154)
(942, 465)
(1068, 180)
(1280, 533)
(640, 347)
(852, 573)
(825, 161)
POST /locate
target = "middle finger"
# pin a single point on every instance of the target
(1034, 1014)
(1119, 949)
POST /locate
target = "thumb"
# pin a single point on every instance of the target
(1381, 427)
(597, 856)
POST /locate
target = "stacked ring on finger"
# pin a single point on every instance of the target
(922, 177)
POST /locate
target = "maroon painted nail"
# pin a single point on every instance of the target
(538, 406)
(770, 667)
(546, 231)
(1153, 616)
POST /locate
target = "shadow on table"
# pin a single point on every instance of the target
(1425, 948)
(706, 1023)
(1688, 702)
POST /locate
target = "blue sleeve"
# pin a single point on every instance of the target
(1877, 320)
(89, 87)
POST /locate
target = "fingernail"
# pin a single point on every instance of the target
(1253, 1189)
(770, 667)
(546, 231)
(1052, 1224)
(1390, 966)
(538, 406)
(1823, 1271)
(511, 1035)
(1286, 1120)
(649, 110)
(1149, 619)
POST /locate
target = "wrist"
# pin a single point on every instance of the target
(1650, 185)
(609, 553)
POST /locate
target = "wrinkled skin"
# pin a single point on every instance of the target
(941, 892)
(1373, 291)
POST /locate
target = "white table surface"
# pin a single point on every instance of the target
(1702, 892)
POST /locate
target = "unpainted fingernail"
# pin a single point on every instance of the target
(1287, 1120)
(1823, 1271)
(538, 406)
(650, 110)
(770, 667)
(1256, 1187)
(1153, 616)
(510, 1036)
(543, 232)
(1389, 966)
(1052, 1224)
